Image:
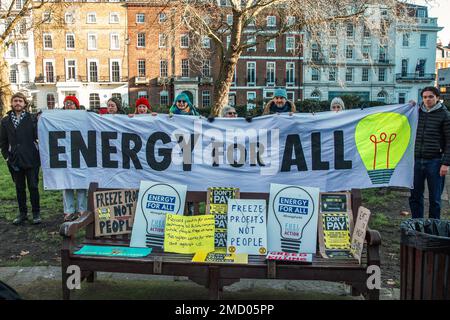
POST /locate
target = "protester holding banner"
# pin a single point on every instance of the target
(19, 146)
(279, 103)
(114, 106)
(432, 153)
(229, 112)
(337, 104)
(183, 105)
(142, 107)
(71, 103)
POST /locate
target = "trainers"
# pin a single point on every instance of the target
(20, 220)
(36, 218)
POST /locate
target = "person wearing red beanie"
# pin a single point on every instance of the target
(142, 106)
(71, 103)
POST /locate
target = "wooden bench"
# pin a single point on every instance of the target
(214, 276)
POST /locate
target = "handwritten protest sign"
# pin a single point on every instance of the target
(114, 212)
(217, 204)
(292, 220)
(220, 257)
(359, 234)
(189, 234)
(247, 232)
(154, 202)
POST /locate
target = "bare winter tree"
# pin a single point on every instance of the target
(15, 22)
(235, 25)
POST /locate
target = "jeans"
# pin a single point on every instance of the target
(68, 200)
(31, 176)
(427, 169)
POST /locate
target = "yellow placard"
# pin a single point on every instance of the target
(189, 234)
(336, 231)
(220, 257)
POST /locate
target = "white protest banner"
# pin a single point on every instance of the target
(155, 200)
(332, 151)
(292, 220)
(247, 232)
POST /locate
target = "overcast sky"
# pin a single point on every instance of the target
(439, 9)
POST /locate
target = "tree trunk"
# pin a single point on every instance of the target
(5, 87)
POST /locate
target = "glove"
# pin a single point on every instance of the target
(211, 119)
(248, 118)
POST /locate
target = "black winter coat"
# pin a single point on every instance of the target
(19, 145)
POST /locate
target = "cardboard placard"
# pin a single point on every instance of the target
(290, 256)
(217, 204)
(359, 234)
(220, 257)
(247, 230)
(155, 200)
(292, 220)
(189, 234)
(114, 212)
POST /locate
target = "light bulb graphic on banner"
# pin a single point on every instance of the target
(381, 140)
(293, 208)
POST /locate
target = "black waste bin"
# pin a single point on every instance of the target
(425, 259)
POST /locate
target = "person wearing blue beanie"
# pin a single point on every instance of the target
(279, 103)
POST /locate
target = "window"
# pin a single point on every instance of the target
(420, 67)
(404, 67)
(291, 95)
(206, 100)
(142, 94)
(365, 75)
(382, 74)
(115, 43)
(228, 41)
(290, 21)
(93, 71)
(232, 99)
(271, 21)
(349, 74)
(332, 74)
(141, 40)
(333, 51)
(290, 43)
(184, 41)
(91, 17)
(270, 73)
(382, 54)
(206, 68)
(251, 100)
(140, 18)
(350, 30)
(366, 52)
(401, 97)
(141, 68)
(163, 68)
(251, 40)
(162, 40)
(23, 27)
(315, 74)
(271, 45)
(333, 29)
(251, 22)
(48, 41)
(315, 53)
(162, 17)
(50, 101)
(70, 41)
(115, 70)
(71, 69)
(315, 95)
(366, 32)
(423, 40)
(92, 41)
(349, 52)
(206, 42)
(164, 98)
(381, 96)
(69, 18)
(13, 74)
(19, 4)
(24, 49)
(114, 17)
(47, 17)
(251, 73)
(94, 101)
(405, 39)
(49, 71)
(185, 68)
(421, 13)
(229, 19)
(290, 73)
(12, 50)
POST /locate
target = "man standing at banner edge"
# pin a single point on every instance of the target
(432, 154)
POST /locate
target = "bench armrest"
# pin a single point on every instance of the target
(69, 229)
(373, 237)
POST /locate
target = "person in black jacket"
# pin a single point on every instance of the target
(432, 153)
(18, 144)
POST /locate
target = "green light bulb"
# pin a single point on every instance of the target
(382, 139)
